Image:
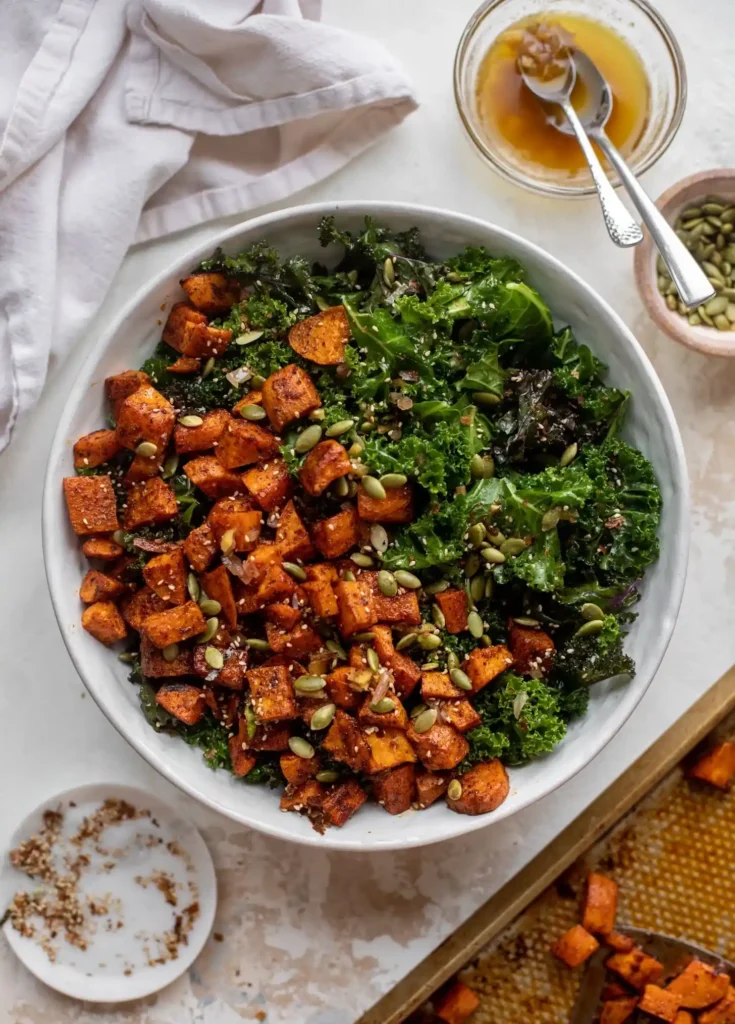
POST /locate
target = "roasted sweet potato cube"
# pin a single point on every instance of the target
(456, 1004)
(154, 665)
(283, 615)
(166, 576)
(180, 316)
(96, 586)
(96, 448)
(276, 585)
(273, 736)
(614, 990)
(532, 649)
(143, 467)
(484, 788)
(305, 799)
(232, 673)
(430, 786)
(211, 292)
(699, 986)
(200, 341)
(617, 1011)
(659, 1003)
(395, 788)
(136, 608)
(395, 507)
(298, 642)
(453, 603)
(395, 719)
(356, 608)
(237, 515)
(340, 689)
(485, 663)
(145, 416)
(210, 476)
(253, 397)
(460, 714)
(346, 742)
(335, 536)
(119, 386)
(717, 766)
(438, 686)
(103, 548)
(388, 749)
(90, 502)
(322, 338)
(272, 693)
(341, 801)
(185, 365)
(574, 946)
(104, 622)
(183, 701)
(619, 942)
(289, 394)
(440, 748)
(292, 537)
(217, 584)
(151, 501)
(324, 464)
(259, 561)
(174, 625)
(684, 1017)
(600, 905)
(722, 1012)
(636, 968)
(297, 770)
(200, 547)
(406, 673)
(319, 589)
(269, 484)
(204, 437)
(242, 760)
(242, 443)
(403, 608)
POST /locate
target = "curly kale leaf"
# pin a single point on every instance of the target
(265, 773)
(590, 659)
(485, 374)
(434, 539)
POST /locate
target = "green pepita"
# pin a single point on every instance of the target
(248, 337)
(454, 789)
(430, 666)
(384, 706)
(387, 583)
(721, 322)
(716, 305)
(126, 657)
(309, 684)
(295, 571)
(170, 466)
(256, 644)
(170, 653)
(214, 657)
(364, 561)
(477, 467)
(147, 449)
(590, 628)
(430, 641)
(355, 449)
(339, 428)
(349, 576)
(372, 659)
(363, 638)
(494, 535)
(591, 612)
(257, 381)
(526, 620)
(486, 398)
(393, 480)
(550, 519)
(493, 555)
(326, 776)
(379, 538)
(389, 272)
(569, 454)
(407, 579)
(308, 439)
(437, 588)
(513, 546)
(476, 534)
(341, 487)
(407, 641)
(472, 565)
(317, 415)
(474, 624)
(336, 648)
(426, 720)
(191, 421)
(192, 585)
(210, 629)
(460, 679)
(208, 367)
(438, 617)
(477, 588)
(373, 488)
(452, 661)
(210, 607)
(322, 717)
(489, 587)
(227, 542)
(301, 747)
(253, 412)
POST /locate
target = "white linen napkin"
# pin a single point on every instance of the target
(127, 120)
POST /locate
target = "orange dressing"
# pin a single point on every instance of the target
(517, 120)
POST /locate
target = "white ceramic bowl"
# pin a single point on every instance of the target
(651, 426)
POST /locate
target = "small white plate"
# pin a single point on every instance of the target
(115, 966)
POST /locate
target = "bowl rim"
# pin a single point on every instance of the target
(550, 188)
(53, 516)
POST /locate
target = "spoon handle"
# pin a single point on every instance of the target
(692, 284)
(620, 225)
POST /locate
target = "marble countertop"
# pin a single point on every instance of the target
(312, 937)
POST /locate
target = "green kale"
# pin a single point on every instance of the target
(583, 661)
(265, 773)
(211, 737)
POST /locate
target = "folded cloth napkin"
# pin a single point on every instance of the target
(126, 120)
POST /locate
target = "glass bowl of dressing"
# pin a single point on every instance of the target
(510, 128)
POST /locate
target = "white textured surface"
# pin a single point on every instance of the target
(314, 938)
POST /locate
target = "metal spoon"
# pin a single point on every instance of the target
(690, 280)
(619, 222)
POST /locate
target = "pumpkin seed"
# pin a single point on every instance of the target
(192, 585)
(301, 747)
(248, 337)
(429, 641)
(257, 645)
(389, 272)
(257, 381)
(209, 630)
(126, 657)
(474, 624)
(308, 684)
(513, 546)
(348, 576)
(317, 415)
(295, 571)
(476, 534)
(364, 561)
(452, 661)
(493, 555)
(591, 612)
(550, 519)
(477, 467)
(339, 428)
(429, 666)
(494, 535)
(711, 268)
(416, 711)
(460, 679)
(472, 565)
(147, 449)
(383, 707)
(227, 542)
(672, 303)
(210, 607)
(214, 658)
(379, 538)
(322, 717)
(721, 322)
(341, 487)
(485, 641)
(373, 488)
(208, 367)
(426, 720)
(393, 480)
(730, 312)
(489, 587)
(326, 776)
(407, 579)
(524, 620)
(307, 439)
(355, 449)
(119, 537)
(170, 653)
(477, 588)
(336, 648)
(695, 319)
(387, 583)
(713, 208)
(486, 398)
(191, 421)
(437, 588)
(252, 412)
(170, 466)
(372, 659)
(569, 454)
(716, 305)
(454, 789)
(407, 641)
(363, 638)
(590, 628)
(438, 617)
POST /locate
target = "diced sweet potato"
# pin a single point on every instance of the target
(619, 942)
(188, 332)
(717, 766)
(183, 701)
(485, 663)
(283, 615)
(429, 787)
(154, 665)
(322, 338)
(453, 603)
(96, 448)
(217, 584)
(297, 770)
(272, 693)
(637, 968)
(395, 788)
(211, 292)
(143, 467)
(185, 365)
(456, 1004)
(236, 515)
(484, 788)
(460, 714)
(440, 748)
(699, 986)
(96, 586)
(118, 387)
(617, 1011)
(232, 673)
(174, 625)
(438, 686)
(614, 990)
(149, 502)
(356, 608)
(254, 397)
(341, 801)
(200, 547)
(403, 608)
(259, 561)
(269, 484)
(532, 649)
(335, 536)
(600, 905)
(340, 689)
(210, 476)
(305, 799)
(292, 537)
(276, 585)
(319, 589)
(90, 502)
(272, 736)
(180, 316)
(166, 576)
(242, 760)
(388, 749)
(659, 1003)
(406, 673)
(395, 507)
(136, 608)
(145, 416)
(575, 946)
(395, 719)
(684, 1017)
(104, 622)
(289, 394)
(204, 437)
(298, 642)
(103, 548)
(324, 464)
(346, 742)
(242, 443)
(722, 1012)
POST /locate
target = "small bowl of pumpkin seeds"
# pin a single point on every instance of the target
(701, 208)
